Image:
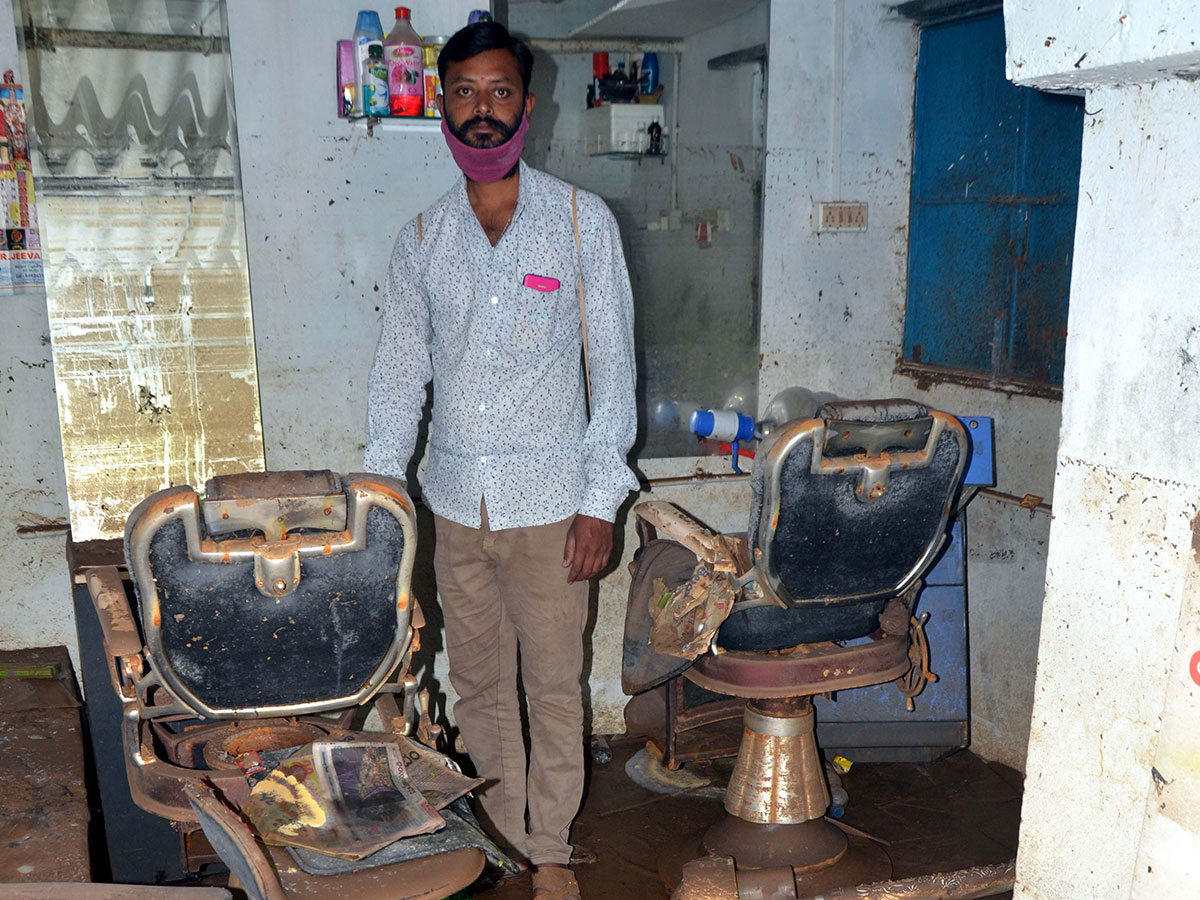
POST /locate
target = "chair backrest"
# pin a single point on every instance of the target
(851, 505)
(276, 594)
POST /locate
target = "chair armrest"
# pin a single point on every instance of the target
(234, 843)
(714, 549)
(112, 607)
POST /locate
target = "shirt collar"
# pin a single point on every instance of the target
(524, 190)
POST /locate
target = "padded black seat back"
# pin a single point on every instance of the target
(851, 506)
(278, 593)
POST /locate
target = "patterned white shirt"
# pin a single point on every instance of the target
(509, 404)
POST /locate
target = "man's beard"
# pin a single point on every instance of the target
(503, 130)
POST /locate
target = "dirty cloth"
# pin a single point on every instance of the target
(498, 330)
(688, 616)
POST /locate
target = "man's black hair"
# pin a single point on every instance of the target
(479, 38)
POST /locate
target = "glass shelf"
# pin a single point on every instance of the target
(630, 154)
(402, 124)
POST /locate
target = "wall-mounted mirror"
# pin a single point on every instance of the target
(134, 154)
(696, 295)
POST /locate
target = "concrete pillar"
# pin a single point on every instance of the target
(1113, 780)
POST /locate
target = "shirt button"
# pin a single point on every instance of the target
(495, 300)
(482, 407)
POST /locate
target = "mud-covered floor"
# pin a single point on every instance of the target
(936, 817)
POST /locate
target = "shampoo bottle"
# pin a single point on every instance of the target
(366, 30)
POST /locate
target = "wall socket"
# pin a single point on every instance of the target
(840, 216)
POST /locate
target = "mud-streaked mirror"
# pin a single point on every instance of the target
(133, 148)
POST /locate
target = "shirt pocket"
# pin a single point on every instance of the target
(542, 317)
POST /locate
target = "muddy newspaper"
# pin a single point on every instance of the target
(344, 799)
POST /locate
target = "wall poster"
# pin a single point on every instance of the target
(20, 244)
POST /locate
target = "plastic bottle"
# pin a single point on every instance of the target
(366, 30)
(478, 15)
(649, 80)
(620, 76)
(599, 76)
(790, 404)
(838, 798)
(375, 82)
(431, 48)
(405, 69)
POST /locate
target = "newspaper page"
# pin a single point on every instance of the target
(434, 774)
(344, 799)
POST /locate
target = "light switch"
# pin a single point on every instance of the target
(840, 216)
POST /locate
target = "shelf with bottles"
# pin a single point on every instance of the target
(395, 74)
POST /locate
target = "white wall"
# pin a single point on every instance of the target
(696, 329)
(35, 591)
(324, 203)
(833, 316)
(1113, 780)
(1056, 47)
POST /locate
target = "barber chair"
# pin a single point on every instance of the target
(849, 508)
(267, 613)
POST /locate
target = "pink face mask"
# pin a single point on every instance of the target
(491, 163)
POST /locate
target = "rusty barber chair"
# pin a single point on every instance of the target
(849, 508)
(266, 613)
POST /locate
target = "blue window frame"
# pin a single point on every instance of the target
(995, 183)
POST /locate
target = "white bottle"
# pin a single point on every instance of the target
(366, 30)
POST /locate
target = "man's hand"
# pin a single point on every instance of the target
(589, 545)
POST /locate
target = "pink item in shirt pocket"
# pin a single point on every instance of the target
(540, 282)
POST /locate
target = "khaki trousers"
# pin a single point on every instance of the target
(503, 593)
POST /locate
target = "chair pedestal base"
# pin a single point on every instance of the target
(774, 829)
(805, 846)
(862, 862)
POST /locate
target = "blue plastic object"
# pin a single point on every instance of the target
(649, 76)
(721, 425)
(981, 460)
(368, 23)
(724, 425)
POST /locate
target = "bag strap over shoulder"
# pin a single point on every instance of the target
(420, 230)
(587, 374)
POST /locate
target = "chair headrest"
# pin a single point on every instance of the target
(274, 502)
(892, 410)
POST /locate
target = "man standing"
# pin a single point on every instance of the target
(483, 298)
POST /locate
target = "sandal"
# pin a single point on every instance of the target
(555, 883)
